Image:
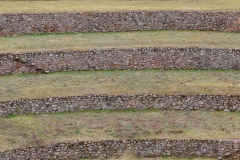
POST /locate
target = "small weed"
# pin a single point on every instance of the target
(10, 116)
(89, 131)
(77, 131)
(40, 134)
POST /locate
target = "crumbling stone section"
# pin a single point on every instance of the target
(141, 148)
(16, 24)
(122, 102)
(114, 59)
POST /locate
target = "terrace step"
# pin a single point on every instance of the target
(63, 84)
(225, 103)
(37, 130)
(18, 24)
(166, 58)
(140, 148)
(171, 57)
(60, 22)
(136, 39)
(135, 109)
(116, 5)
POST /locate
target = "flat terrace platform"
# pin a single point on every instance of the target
(62, 84)
(131, 157)
(30, 130)
(89, 41)
(26, 6)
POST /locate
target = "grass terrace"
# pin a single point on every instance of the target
(18, 131)
(31, 130)
(28, 86)
(26, 6)
(88, 41)
(131, 157)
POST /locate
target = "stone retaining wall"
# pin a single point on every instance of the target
(15, 24)
(113, 59)
(141, 148)
(121, 102)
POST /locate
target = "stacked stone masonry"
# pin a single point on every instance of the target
(122, 102)
(24, 23)
(142, 148)
(115, 59)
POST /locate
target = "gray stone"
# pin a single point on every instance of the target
(226, 110)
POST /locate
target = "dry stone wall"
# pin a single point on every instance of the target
(15, 24)
(141, 148)
(122, 102)
(113, 59)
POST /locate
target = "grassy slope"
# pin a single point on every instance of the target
(116, 5)
(84, 41)
(99, 125)
(118, 82)
(33, 130)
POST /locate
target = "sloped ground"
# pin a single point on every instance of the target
(61, 84)
(9, 6)
(86, 41)
(19, 131)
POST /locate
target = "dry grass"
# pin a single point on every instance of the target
(18, 131)
(132, 157)
(116, 5)
(84, 41)
(119, 82)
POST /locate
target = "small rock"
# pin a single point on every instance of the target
(46, 72)
(7, 71)
(226, 110)
(16, 58)
(228, 154)
(24, 60)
